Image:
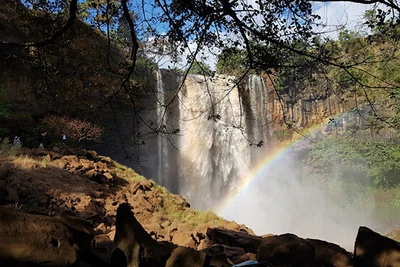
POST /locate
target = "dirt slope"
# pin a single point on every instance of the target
(92, 186)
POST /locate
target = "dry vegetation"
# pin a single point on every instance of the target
(45, 182)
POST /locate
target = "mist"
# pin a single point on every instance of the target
(280, 200)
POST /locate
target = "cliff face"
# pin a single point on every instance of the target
(75, 75)
(301, 111)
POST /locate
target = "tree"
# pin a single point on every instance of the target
(232, 61)
(75, 129)
(200, 68)
(224, 24)
(266, 32)
(359, 161)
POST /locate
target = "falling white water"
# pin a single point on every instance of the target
(259, 105)
(161, 123)
(217, 121)
(213, 151)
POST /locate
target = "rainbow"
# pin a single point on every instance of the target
(272, 157)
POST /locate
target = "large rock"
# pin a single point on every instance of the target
(329, 254)
(136, 244)
(286, 250)
(231, 238)
(394, 234)
(374, 250)
(12, 195)
(81, 229)
(185, 239)
(28, 239)
(234, 254)
(185, 257)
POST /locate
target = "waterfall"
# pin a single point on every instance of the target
(161, 126)
(218, 119)
(213, 149)
(259, 104)
(216, 124)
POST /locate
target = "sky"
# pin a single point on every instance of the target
(339, 14)
(334, 14)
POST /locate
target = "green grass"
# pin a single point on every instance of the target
(126, 173)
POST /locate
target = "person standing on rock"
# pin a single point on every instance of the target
(42, 139)
(17, 142)
(64, 138)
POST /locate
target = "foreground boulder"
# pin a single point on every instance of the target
(286, 250)
(234, 254)
(329, 254)
(184, 256)
(138, 247)
(374, 250)
(29, 239)
(249, 243)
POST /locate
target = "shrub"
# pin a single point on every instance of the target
(75, 129)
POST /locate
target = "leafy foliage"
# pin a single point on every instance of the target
(232, 61)
(263, 36)
(359, 161)
(372, 78)
(99, 12)
(200, 68)
(143, 77)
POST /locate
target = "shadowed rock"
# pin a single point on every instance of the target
(329, 254)
(231, 238)
(184, 256)
(81, 230)
(374, 250)
(234, 255)
(286, 250)
(28, 239)
(139, 247)
(5, 170)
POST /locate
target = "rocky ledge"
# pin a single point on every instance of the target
(64, 207)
